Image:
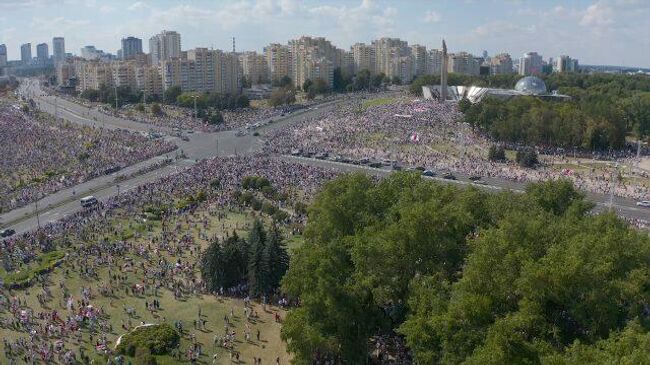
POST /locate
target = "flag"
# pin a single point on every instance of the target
(415, 138)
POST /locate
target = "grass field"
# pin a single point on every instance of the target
(376, 102)
(68, 277)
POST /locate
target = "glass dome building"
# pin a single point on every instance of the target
(531, 85)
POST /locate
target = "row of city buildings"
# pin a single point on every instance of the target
(305, 58)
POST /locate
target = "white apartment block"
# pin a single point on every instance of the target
(278, 61)
(364, 57)
(463, 63)
(254, 67)
(501, 64)
(165, 46)
(204, 71)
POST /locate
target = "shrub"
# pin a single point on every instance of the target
(497, 153)
(157, 339)
(143, 356)
(527, 157)
(268, 208)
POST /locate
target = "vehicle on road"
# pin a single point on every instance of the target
(376, 165)
(185, 138)
(296, 152)
(397, 167)
(449, 176)
(88, 201)
(475, 178)
(7, 233)
(643, 203)
(428, 173)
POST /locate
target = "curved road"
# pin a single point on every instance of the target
(205, 145)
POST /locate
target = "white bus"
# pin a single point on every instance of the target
(88, 201)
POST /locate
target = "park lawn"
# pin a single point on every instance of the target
(376, 102)
(186, 310)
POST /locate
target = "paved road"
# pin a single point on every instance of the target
(206, 145)
(200, 146)
(623, 206)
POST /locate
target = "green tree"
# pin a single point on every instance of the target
(171, 94)
(156, 109)
(258, 264)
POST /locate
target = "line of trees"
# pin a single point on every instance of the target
(466, 276)
(259, 262)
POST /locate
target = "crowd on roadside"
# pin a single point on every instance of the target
(41, 155)
(431, 135)
(217, 178)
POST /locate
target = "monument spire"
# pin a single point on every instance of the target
(443, 73)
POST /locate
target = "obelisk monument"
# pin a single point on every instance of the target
(443, 73)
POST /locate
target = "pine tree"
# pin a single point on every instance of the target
(278, 258)
(257, 268)
(212, 266)
(235, 260)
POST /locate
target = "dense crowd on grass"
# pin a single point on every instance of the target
(412, 132)
(102, 238)
(41, 156)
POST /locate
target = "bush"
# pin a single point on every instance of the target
(527, 157)
(268, 208)
(143, 356)
(155, 109)
(256, 204)
(497, 153)
(280, 215)
(157, 339)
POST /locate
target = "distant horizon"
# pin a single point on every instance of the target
(596, 32)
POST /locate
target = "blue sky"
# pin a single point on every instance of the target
(613, 32)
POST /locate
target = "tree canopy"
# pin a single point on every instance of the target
(466, 276)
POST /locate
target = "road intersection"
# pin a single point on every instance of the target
(201, 145)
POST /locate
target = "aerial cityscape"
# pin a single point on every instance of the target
(311, 182)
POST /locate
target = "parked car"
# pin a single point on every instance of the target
(7, 232)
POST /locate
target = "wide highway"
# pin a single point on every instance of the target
(206, 145)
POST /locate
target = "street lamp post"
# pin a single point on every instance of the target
(115, 98)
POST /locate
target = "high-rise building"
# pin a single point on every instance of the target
(311, 56)
(42, 53)
(203, 70)
(364, 57)
(26, 53)
(463, 63)
(278, 61)
(165, 46)
(254, 67)
(564, 64)
(131, 47)
(434, 62)
(420, 56)
(531, 64)
(388, 55)
(3, 55)
(58, 49)
(501, 64)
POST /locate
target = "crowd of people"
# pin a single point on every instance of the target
(172, 116)
(432, 135)
(167, 261)
(41, 155)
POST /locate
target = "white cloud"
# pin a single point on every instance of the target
(138, 5)
(598, 14)
(106, 9)
(431, 17)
